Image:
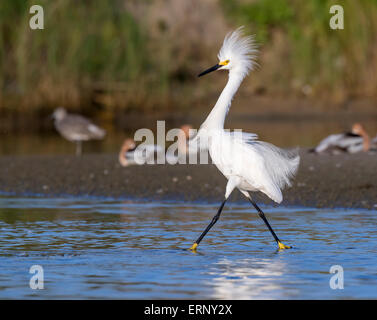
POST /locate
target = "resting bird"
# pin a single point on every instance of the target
(248, 164)
(76, 128)
(129, 153)
(355, 141)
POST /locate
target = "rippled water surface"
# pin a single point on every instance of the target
(112, 249)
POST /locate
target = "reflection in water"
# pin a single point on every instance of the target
(93, 248)
(247, 279)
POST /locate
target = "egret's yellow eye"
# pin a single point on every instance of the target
(224, 63)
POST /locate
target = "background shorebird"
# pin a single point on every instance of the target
(248, 164)
(355, 141)
(128, 153)
(76, 128)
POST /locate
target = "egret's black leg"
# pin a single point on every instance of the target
(214, 220)
(261, 214)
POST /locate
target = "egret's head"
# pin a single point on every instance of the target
(237, 54)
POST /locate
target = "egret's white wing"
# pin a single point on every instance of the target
(280, 164)
(274, 167)
(244, 136)
(260, 165)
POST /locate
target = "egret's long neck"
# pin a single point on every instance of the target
(216, 118)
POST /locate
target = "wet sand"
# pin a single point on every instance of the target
(348, 181)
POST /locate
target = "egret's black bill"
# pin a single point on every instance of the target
(214, 68)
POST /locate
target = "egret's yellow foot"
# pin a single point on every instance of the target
(283, 246)
(193, 247)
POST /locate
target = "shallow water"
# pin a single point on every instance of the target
(93, 248)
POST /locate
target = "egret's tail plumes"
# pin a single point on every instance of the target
(241, 50)
(281, 165)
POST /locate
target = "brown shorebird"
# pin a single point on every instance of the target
(76, 128)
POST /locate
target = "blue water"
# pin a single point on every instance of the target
(92, 248)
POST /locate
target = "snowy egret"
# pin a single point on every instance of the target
(247, 163)
(128, 153)
(352, 142)
(76, 128)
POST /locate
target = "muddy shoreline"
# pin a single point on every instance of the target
(348, 181)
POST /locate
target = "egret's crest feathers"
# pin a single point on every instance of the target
(240, 50)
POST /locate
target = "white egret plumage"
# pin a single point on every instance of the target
(247, 163)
